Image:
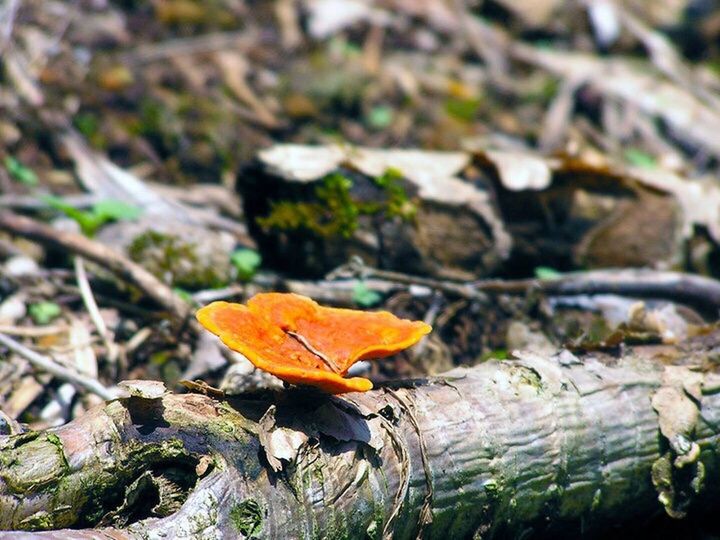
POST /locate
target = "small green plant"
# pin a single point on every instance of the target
(545, 272)
(638, 158)
(464, 110)
(363, 296)
(88, 124)
(246, 262)
(379, 117)
(44, 312)
(398, 204)
(99, 214)
(184, 295)
(495, 354)
(335, 213)
(20, 172)
(247, 517)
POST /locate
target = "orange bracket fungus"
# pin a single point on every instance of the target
(301, 342)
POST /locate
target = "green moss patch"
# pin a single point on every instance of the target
(335, 212)
(44, 453)
(247, 517)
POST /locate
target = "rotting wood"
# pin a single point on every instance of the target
(542, 446)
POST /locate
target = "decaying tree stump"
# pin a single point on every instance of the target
(467, 215)
(311, 208)
(551, 446)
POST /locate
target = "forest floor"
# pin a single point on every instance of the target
(145, 133)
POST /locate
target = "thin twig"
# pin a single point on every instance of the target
(357, 268)
(210, 295)
(429, 319)
(190, 46)
(696, 291)
(33, 331)
(93, 310)
(106, 257)
(137, 339)
(34, 202)
(305, 343)
(57, 370)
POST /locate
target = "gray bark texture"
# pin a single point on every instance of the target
(533, 446)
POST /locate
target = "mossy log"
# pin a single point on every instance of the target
(533, 446)
(312, 208)
(464, 215)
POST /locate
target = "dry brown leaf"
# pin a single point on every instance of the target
(678, 414)
(235, 69)
(327, 17)
(103, 178)
(637, 84)
(699, 199)
(83, 355)
(24, 393)
(279, 443)
(535, 14)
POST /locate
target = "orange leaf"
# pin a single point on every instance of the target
(301, 342)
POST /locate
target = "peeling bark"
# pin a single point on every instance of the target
(549, 446)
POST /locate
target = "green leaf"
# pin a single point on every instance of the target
(110, 209)
(380, 117)
(91, 220)
(88, 221)
(185, 295)
(495, 354)
(20, 172)
(464, 110)
(87, 124)
(638, 158)
(247, 261)
(545, 272)
(390, 176)
(57, 203)
(44, 312)
(159, 358)
(363, 296)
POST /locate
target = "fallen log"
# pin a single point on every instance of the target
(469, 215)
(534, 446)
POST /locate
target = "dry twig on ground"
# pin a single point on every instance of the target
(106, 257)
(57, 370)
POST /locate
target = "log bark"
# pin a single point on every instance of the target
(533, 446)
(475, 213)
(422, 220)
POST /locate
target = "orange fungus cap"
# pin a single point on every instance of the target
(301, 342)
